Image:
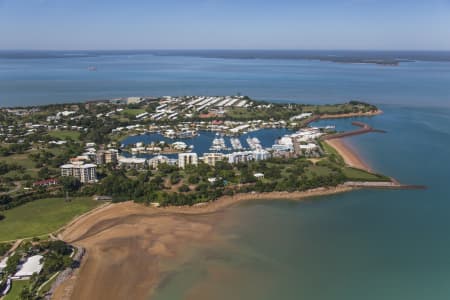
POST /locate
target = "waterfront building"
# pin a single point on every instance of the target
(238, 157)
(107, 157)
(84, 172)
(308, 148)
(185, 159)
(132, 162)
(212, 158)
(157, 160)
(111, 156)
(261, 154)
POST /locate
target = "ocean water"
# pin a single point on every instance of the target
(367, 244)
(37, 78)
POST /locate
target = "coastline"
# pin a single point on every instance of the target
(129, 234)
(350, 156)
(150, 234)
(351, 115)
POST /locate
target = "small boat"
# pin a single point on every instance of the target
(92, 68)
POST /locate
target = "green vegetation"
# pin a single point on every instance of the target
(56, 257)
(16, 289)
(353, 174)
(41, 217)
(47, 286)
(19, 159)
(27, 156)
(274, 111)
(132, 112)
(65, 135)
(4, 247)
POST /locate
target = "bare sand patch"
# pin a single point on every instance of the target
(126, 242)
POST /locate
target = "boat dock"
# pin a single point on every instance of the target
(218, 144)
(236, 144)
(254, 143)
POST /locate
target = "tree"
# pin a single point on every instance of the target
(12, 263)
(193, 179)
(70, 184)
(5, 199)
(184, 188)
(26, 294)
(44, 173)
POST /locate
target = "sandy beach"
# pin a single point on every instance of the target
(126, 242)
(350, 157)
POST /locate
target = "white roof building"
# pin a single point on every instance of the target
(31, 266)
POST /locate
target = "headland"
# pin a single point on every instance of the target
(76, 152)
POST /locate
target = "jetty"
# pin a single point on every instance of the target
(364, 128)
(393, 184)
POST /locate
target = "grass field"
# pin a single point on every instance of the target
(41, 217)
(318, 170)
(330, 150)
(133, 112)
(65, 134)
(20, 159)
(361, 175)
(16, 288)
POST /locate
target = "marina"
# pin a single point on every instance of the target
(207, 141)
(218, 144)
(236, 144)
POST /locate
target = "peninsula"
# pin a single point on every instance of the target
(172, 156)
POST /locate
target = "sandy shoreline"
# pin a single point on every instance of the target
(126, 242)
(129, 240)
(350, 157)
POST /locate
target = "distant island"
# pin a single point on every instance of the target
(188, 154)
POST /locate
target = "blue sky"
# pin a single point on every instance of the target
(225, 24)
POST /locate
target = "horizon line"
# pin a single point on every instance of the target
(226, 49)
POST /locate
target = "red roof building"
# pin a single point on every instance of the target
(46, 182)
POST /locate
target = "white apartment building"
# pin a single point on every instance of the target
(85, 172)
(154, 162)
(185, 159)
(213, 158)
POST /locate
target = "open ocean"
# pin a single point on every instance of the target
(367, 244)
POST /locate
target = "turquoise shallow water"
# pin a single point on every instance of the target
(360, 245)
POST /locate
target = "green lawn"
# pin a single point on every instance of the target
(16, 288)
(41, 217)
(330, 150)
(20, 159)
(318, 170)
(361, 175)
(133, 112)
(65, 134)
